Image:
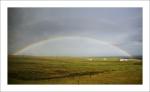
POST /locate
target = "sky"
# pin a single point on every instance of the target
(75, 31)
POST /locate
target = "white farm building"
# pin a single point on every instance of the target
(122, 59)
(90, 59)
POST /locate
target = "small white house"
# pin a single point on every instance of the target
(105, 59)
(90, 59)
(123, 59)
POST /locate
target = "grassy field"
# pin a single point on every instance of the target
(71, 70)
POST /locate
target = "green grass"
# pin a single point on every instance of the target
(73, 70)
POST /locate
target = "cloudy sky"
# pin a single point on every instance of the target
(75, 31)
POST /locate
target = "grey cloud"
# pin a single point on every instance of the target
(114, 25)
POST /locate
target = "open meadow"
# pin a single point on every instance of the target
(73, 70)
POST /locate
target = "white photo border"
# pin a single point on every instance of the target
(98, 4)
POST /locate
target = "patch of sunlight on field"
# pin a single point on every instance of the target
(73, 70)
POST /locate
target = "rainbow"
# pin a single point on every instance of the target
(69, 37)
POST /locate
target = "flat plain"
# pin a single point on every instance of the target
(73, 70)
